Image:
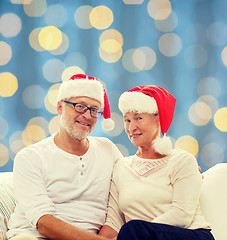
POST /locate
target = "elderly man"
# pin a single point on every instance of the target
(62, 183)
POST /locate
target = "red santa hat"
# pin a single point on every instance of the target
(151, 99)
(81, 85)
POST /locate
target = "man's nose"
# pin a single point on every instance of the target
(87, 113)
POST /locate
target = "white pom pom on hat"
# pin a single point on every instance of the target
(81, 85)
(151, 99)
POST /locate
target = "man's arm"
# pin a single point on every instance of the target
(56, 229)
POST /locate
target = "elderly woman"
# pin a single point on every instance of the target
(154, 193)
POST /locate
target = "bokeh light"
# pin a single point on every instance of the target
(8, 84)
(53, 69)
(187, 143)
(209, 86)
(101, 17)
(50, 38)
(159, 9)
(34, 41)
(52, 15)
(167, 40)
(6, 53)
(7, 21)
(168, 24)
(220, 119)
(124, 44)
(81, 17)
(33, 97)
(200, 113)
(36, 8)
(4, 154)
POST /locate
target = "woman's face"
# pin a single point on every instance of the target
(141, 128)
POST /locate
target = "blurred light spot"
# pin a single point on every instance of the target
(63, 47)
(210, 101)
(111, 34)
(76, 59)
(110, 46)
(16, 143)
(168, 24)
(8, 84)
(217, 34)
(220, 119)
(53, 69)
(144, 58)
(4, 155)
(170, 44)
(21, 1)
(110, 57)
(188, 143)
(224, 56)
(56, 15)
(119, 126)
(51, 99)
(32, 134)
(111, 42)
(209, 86)
(81, 17)
(33, 97)
(4, 128)
(200, 113)
(54, 125)
(133, 1)
(159, 9)
(123, 149)
(6, 53)
(50, 38)
(127, 61)
(70, 71)
(34, 41)
(211, 154)
(36, 8)
(10, 25)
(101, 17)
(39, 121)
(195, 56)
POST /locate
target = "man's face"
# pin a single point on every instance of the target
(78, 125)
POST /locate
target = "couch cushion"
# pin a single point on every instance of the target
(213, 199)
(7, 201)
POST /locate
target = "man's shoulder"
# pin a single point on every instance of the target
(37, 146)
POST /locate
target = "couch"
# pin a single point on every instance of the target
(213, 200)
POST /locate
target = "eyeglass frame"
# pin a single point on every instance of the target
(99, 112)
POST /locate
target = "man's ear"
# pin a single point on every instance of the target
(59, 108)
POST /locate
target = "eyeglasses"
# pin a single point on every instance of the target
(81, 108)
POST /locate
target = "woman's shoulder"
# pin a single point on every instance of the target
(180, 157)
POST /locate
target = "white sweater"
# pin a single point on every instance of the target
(48, 180)
(165, 190)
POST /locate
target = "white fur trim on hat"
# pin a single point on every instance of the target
(81, 88)
(163, 145)
(136, 101)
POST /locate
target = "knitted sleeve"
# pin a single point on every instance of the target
(115, 218)
(186, 182)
